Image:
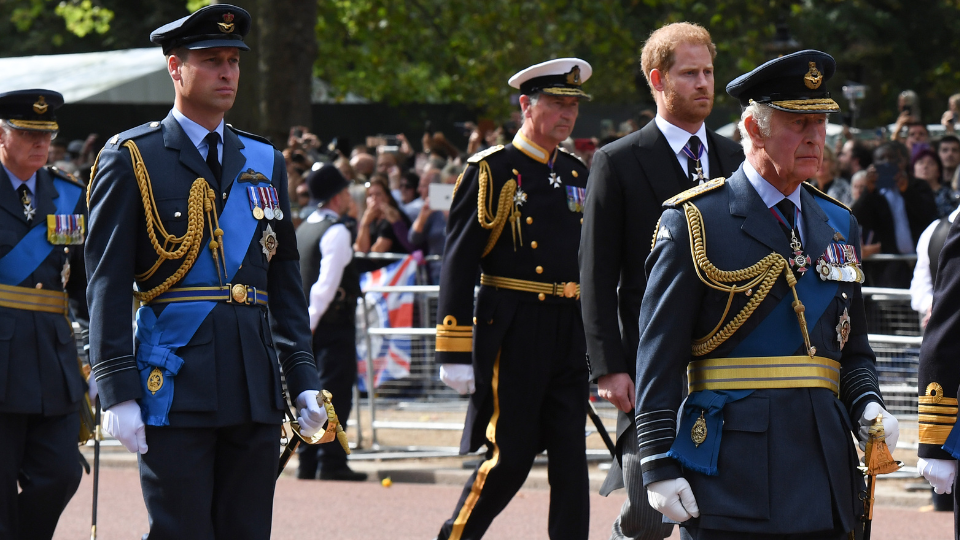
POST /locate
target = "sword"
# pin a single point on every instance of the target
(877, 459)
(592, 413)
(333, 431)
(96, 471)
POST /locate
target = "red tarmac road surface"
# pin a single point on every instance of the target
(366, 510)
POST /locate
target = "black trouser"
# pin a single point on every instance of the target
(540, 392)
(210, 483)
(40, 453)
(334, 346)
(694, 533)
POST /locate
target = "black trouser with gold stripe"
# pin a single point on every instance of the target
(539, 394)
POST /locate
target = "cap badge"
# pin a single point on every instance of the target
(40, 106)
(227, 25)
(813, 78)
(574, 76)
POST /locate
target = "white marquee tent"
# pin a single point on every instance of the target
(134, 76)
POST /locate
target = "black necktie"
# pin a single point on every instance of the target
(23, 192)
(788, 210)
(693, 159)
(212, 139)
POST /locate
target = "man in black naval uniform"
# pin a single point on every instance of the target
(939, 379)
(753, 289)
(331, 284)
(195, 214)
(629, 179)
(42, 229)
(516, 215)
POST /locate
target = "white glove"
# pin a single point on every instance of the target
(459, 377)
(312, 414)
(939, 472)
(92, 389)
(674, 499)
(124, 422)
(891, 427)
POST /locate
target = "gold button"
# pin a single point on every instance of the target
(515, 172)
(224, 196)
(154, 124)
(66, 250)
(542, 296)
(574, 173)
(539, 269)
(844, 295)
(39, 285)
(533, 245)
(176, 214)
(581, 221)
(749, 292)
(474, 321)
(529, 221)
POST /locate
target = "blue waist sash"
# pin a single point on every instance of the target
(33, 248)
(159, 337)
(816, 295)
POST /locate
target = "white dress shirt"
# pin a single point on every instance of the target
(677, 138)
(921, 286)
(336, 253)
(771, 195)
(196, 133)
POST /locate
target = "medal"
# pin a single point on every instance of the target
(65, 273)
(269, 242)
(155, 380)
(798, 261)
(554, 179)
(267, 203)
(699, 432)
(254, 199)
(843, 328)
(28, 210)
(277, 212)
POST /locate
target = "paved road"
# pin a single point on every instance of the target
(367, 510)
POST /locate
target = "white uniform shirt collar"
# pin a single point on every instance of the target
(195, 132)
(677, 138)
(30, 182)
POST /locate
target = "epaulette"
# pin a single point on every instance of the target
(133, 133)
(482, 155)
(816, 191)
(249, 135)
(694, 192)
(571, 154)
(64, 175)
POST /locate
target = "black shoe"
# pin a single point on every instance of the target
(344, 474)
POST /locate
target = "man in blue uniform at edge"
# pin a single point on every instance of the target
(42, 282)
(196, 214)
(516, 215)
(765, 314)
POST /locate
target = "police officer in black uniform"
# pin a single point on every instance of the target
(42, 283)
(516, 216)
(753, 290)
(331, 284)
(195, 214)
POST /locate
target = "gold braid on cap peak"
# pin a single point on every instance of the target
(487, 219)
(761, 275)
(200, 201)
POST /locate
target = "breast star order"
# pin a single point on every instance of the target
(554, 179)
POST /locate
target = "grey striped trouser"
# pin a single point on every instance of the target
(637, 520)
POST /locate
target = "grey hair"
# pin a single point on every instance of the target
(761, 116)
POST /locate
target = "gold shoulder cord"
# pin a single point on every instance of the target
(495, 222)
(201, 199)
(761, 275)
